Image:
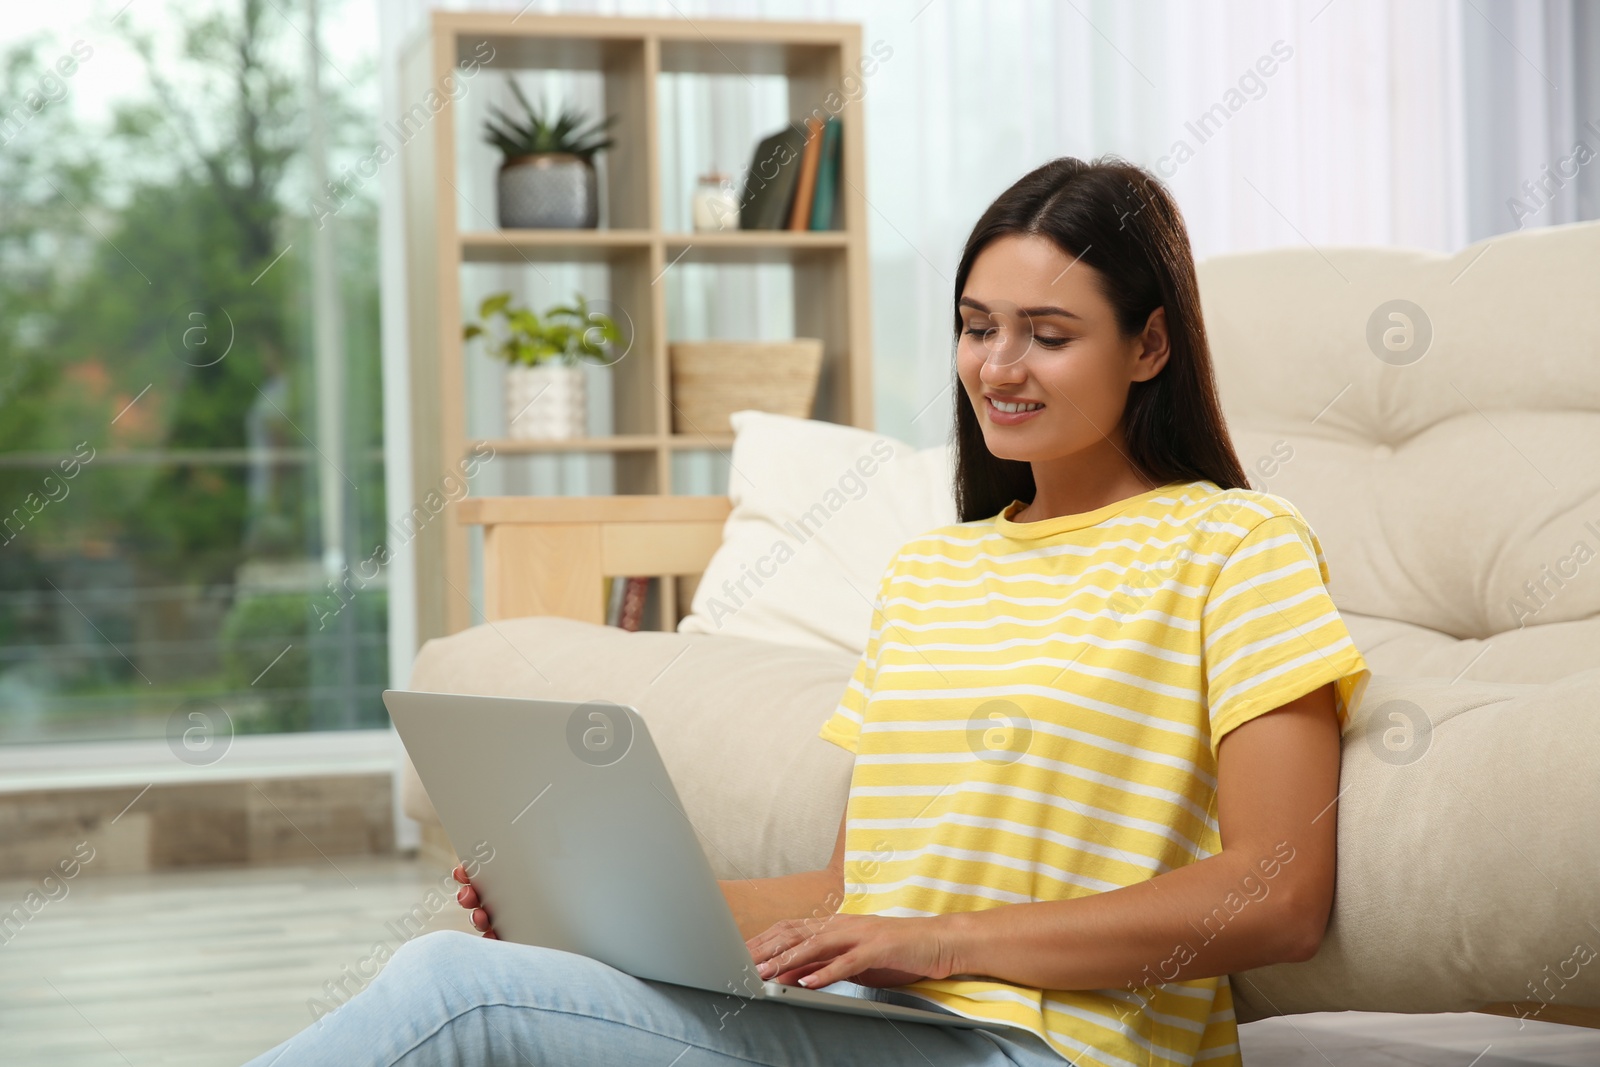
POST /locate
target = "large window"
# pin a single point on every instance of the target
(191, 464)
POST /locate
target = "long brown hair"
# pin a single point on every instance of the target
(1119, 219)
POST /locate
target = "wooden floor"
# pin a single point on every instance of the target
(211, 968)
(202, 968)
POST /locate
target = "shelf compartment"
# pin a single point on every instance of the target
(544, 473)
(617, 282)
(604, 75)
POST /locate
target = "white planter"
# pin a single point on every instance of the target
(546, 403)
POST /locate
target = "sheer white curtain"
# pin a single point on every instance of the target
(1533, 109)
(1322, 122)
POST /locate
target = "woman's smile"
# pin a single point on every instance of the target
(1019, 411)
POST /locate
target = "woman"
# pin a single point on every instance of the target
(1097, 723)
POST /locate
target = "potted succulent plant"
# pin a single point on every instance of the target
(547, 178)
(545, 396)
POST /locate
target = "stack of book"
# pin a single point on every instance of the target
(793, 180)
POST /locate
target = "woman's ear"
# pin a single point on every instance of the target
(1152, 347)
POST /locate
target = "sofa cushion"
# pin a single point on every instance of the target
(1531, 654)
(1466, 857)
(818, 511)
(1436, 419)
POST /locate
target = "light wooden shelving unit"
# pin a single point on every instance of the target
(829, 268)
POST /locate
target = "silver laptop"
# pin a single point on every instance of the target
(582, 844)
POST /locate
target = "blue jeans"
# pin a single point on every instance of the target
(455, 1000)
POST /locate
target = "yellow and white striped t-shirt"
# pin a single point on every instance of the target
(1036, 717)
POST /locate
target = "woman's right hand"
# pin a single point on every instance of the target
(467, 897)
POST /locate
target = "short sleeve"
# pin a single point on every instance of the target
(1271, 633)
(843, 727)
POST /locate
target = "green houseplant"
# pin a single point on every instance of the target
(547, 177)
(545, 394)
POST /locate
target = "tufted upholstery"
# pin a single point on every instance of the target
(1447, 491)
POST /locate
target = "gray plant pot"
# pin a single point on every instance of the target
(551, 191)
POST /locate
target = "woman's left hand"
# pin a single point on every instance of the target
(871, 950)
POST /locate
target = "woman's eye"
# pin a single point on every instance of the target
(984, 332)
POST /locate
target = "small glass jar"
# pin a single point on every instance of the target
(716, 206)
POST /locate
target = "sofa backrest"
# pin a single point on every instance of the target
(1437, 420)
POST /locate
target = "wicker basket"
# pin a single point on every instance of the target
(713, 379)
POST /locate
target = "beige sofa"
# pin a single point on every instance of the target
(1449, 461)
